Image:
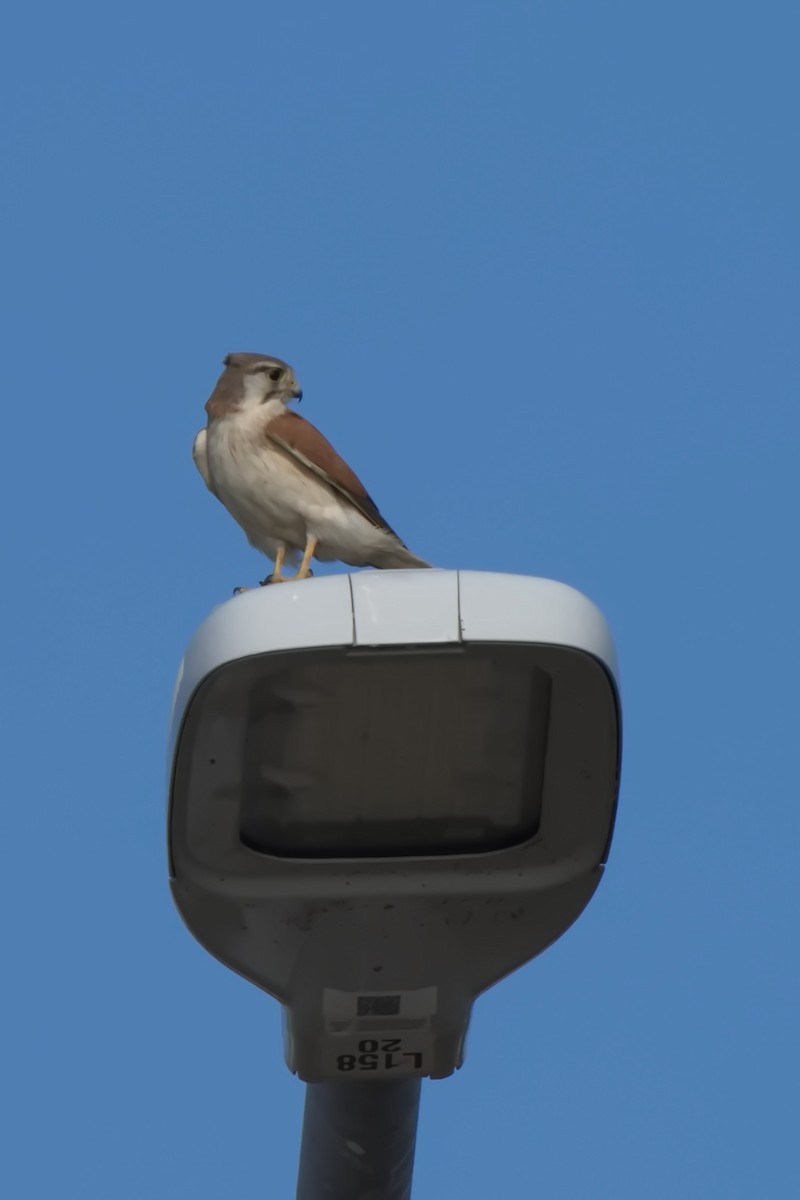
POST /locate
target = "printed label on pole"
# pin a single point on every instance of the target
(416, 1004)
(384, 1033)
(404, 1054)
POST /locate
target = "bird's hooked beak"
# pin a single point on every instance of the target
(297, 392)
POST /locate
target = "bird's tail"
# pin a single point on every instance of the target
(396, 558)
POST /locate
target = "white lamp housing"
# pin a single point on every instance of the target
(389, 790)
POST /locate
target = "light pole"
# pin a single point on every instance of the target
(389, 790)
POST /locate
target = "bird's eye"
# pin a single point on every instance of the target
(275, 373)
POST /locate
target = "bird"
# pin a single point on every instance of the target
(282, 481)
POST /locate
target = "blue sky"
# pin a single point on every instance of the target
(536, 267)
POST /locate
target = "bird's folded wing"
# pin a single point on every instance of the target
(304, 443)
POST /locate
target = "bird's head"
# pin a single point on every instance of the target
(249, 381)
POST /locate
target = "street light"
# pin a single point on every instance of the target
(389, 790)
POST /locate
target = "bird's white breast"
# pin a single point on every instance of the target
(251, 477)
(276, 499)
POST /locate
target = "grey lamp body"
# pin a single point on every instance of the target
(388, 791)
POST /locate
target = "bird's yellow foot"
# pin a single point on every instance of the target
(277, 576)
(304, 570)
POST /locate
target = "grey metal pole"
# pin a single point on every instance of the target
(358, 1140)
